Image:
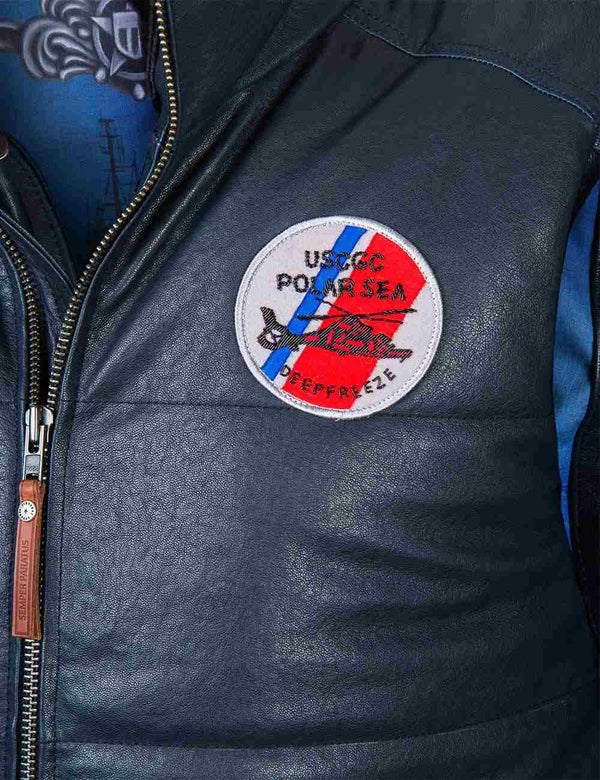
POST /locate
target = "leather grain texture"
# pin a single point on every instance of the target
(522, 746)
(237, 590)
(549, 44)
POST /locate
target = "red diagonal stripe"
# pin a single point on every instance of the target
(331, 370)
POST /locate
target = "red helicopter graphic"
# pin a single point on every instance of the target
(348, 333)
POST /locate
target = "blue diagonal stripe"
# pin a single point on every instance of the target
(346, 242)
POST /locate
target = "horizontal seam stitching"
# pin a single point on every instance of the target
(458, 44)
(475, 46)
(579, 106)
(104, 402)
(564, 697)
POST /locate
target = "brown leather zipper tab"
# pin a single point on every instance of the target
(26, 618)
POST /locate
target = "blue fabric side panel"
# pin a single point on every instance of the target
(574, 341)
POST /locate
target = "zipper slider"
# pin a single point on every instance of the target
(38, 422)
(26, 613)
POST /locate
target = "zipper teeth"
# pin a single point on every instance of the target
(32, 316)
(29, 709)
(29, 705)
(75, 303)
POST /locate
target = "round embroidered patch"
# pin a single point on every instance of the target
(338, 316)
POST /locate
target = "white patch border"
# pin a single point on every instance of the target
(403, 389)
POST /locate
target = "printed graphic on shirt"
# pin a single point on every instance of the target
(78, 68)
(71, 37)
(339, 317)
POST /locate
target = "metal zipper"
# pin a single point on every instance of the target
(31, 648)
(39, 418)
(74, 307)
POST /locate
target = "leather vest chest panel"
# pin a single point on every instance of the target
(227, 572)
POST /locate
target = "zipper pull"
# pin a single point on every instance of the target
(26, 616)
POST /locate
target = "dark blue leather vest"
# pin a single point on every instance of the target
(235, 589)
